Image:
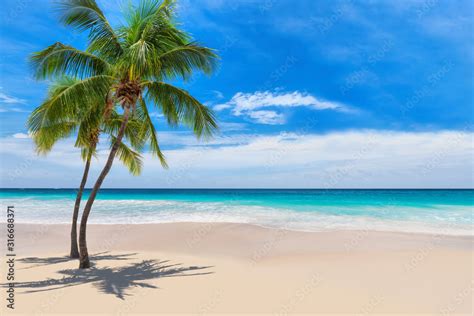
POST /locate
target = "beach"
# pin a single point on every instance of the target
(173, 157)
(199, 268)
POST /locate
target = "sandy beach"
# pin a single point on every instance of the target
(199, 268)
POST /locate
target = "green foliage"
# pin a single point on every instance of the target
(46, 129)
(120, 67)
(59, 60)
(179, 106)
(69, 102)
(148, 131)
(129, 157)
(85, 15)
(182, 60)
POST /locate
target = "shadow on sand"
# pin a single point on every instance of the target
(115, 281)
(36, 261)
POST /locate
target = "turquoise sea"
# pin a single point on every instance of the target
(429, 211)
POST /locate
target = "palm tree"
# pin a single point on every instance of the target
(46, 130)
(128, 67)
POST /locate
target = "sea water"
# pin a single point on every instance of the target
(448, 212)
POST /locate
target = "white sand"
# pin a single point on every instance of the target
(234, 268)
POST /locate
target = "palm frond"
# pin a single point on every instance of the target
(89, 127)
(139, 19)
(47, 129)
(86, 15)
(183, 60)
(139, 59)
(72, 102)
(160, 23)
(47, 136)
(148, 131)
(47, 133)
(59, 60)
(149, 32)
(130, 158)
(132, 131)
(179, 106)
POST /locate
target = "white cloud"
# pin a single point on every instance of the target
(218, 94)
(21, 135)
(250, 105)
(231, 126)
(6, 99)
(267, 117)
(220, 107)
(17, 110)
(354, 159)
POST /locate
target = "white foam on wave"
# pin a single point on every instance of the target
(59, 211)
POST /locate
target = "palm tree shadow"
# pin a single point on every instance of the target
(116, 280)
(36, 261)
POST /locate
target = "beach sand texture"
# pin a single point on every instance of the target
(200, 268)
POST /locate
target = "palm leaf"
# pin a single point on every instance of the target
(71, 102)
(85, 153)
(132, 131)
(141, 18)
(148, 131)
(47, 136)
(183, 60)
(86, 15)
(139, 60)
(179, 106)
(130, 158)
(58, 60)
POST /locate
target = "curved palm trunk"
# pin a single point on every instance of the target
(84, 256)
(74, 249)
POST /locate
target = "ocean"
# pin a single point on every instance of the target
(448, 212)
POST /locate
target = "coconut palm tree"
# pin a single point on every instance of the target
(46, 130)
(129, 67)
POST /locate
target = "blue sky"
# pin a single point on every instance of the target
(389, 83)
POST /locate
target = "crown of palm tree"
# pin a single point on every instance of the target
(124, 67)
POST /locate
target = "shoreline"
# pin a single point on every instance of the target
(196, 233)
(242, 268)
(447, 212)
(263, 226)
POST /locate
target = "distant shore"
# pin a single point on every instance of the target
(243, 268)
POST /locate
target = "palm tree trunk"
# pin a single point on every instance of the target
(74, 249)
(84, 256)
